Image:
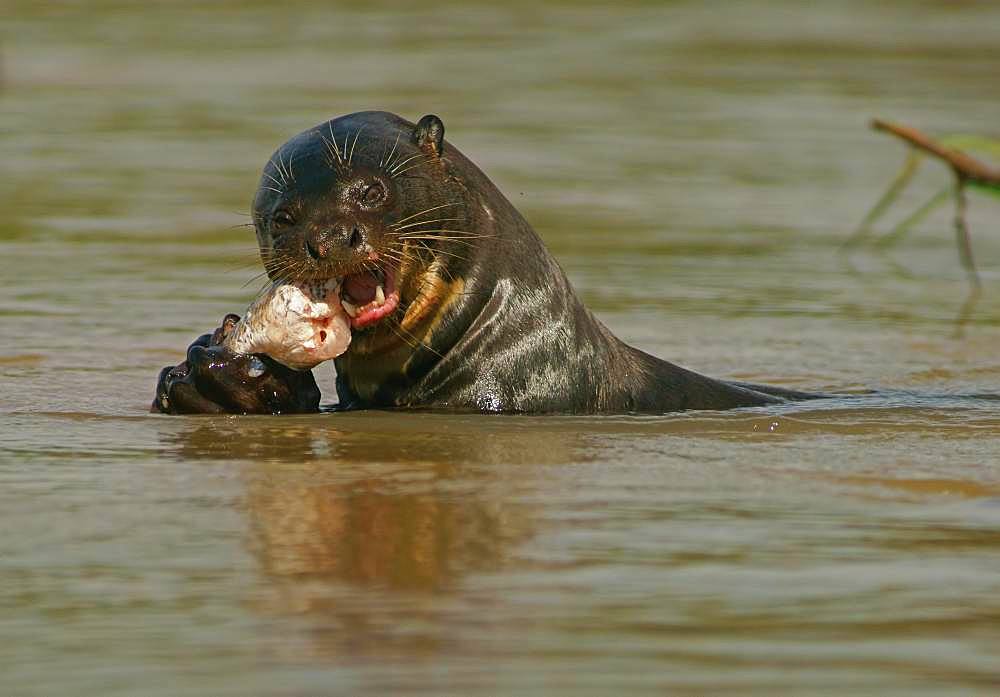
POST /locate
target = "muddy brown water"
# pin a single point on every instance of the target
(695, 169)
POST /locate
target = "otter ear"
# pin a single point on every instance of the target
(429, 135)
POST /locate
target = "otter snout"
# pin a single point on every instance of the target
(325, 242)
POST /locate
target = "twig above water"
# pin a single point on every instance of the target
(967, 170)
(965, 166)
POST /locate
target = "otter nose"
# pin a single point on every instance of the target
(321, 243)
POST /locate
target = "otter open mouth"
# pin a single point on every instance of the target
(370, 295)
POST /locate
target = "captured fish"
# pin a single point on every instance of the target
(298, 325)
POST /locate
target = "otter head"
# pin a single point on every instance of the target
(362, 199)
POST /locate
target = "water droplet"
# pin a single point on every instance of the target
(256, 367)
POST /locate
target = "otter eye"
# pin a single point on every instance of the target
(282, 219)
(373, 194)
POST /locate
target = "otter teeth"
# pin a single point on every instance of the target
(353, 310)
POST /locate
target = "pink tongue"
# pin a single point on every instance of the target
(361, 287)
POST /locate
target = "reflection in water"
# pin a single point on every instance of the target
(965, 313)
(335, 508)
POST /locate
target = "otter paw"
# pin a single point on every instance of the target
(214, 380)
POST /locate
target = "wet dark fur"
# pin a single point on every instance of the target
(487, 319)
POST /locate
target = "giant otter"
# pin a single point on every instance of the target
(455, 302)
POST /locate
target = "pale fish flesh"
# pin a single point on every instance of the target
(298, 325)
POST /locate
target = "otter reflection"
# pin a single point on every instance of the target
(391, 524)
(396, 501)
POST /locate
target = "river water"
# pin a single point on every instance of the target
(695, 167)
